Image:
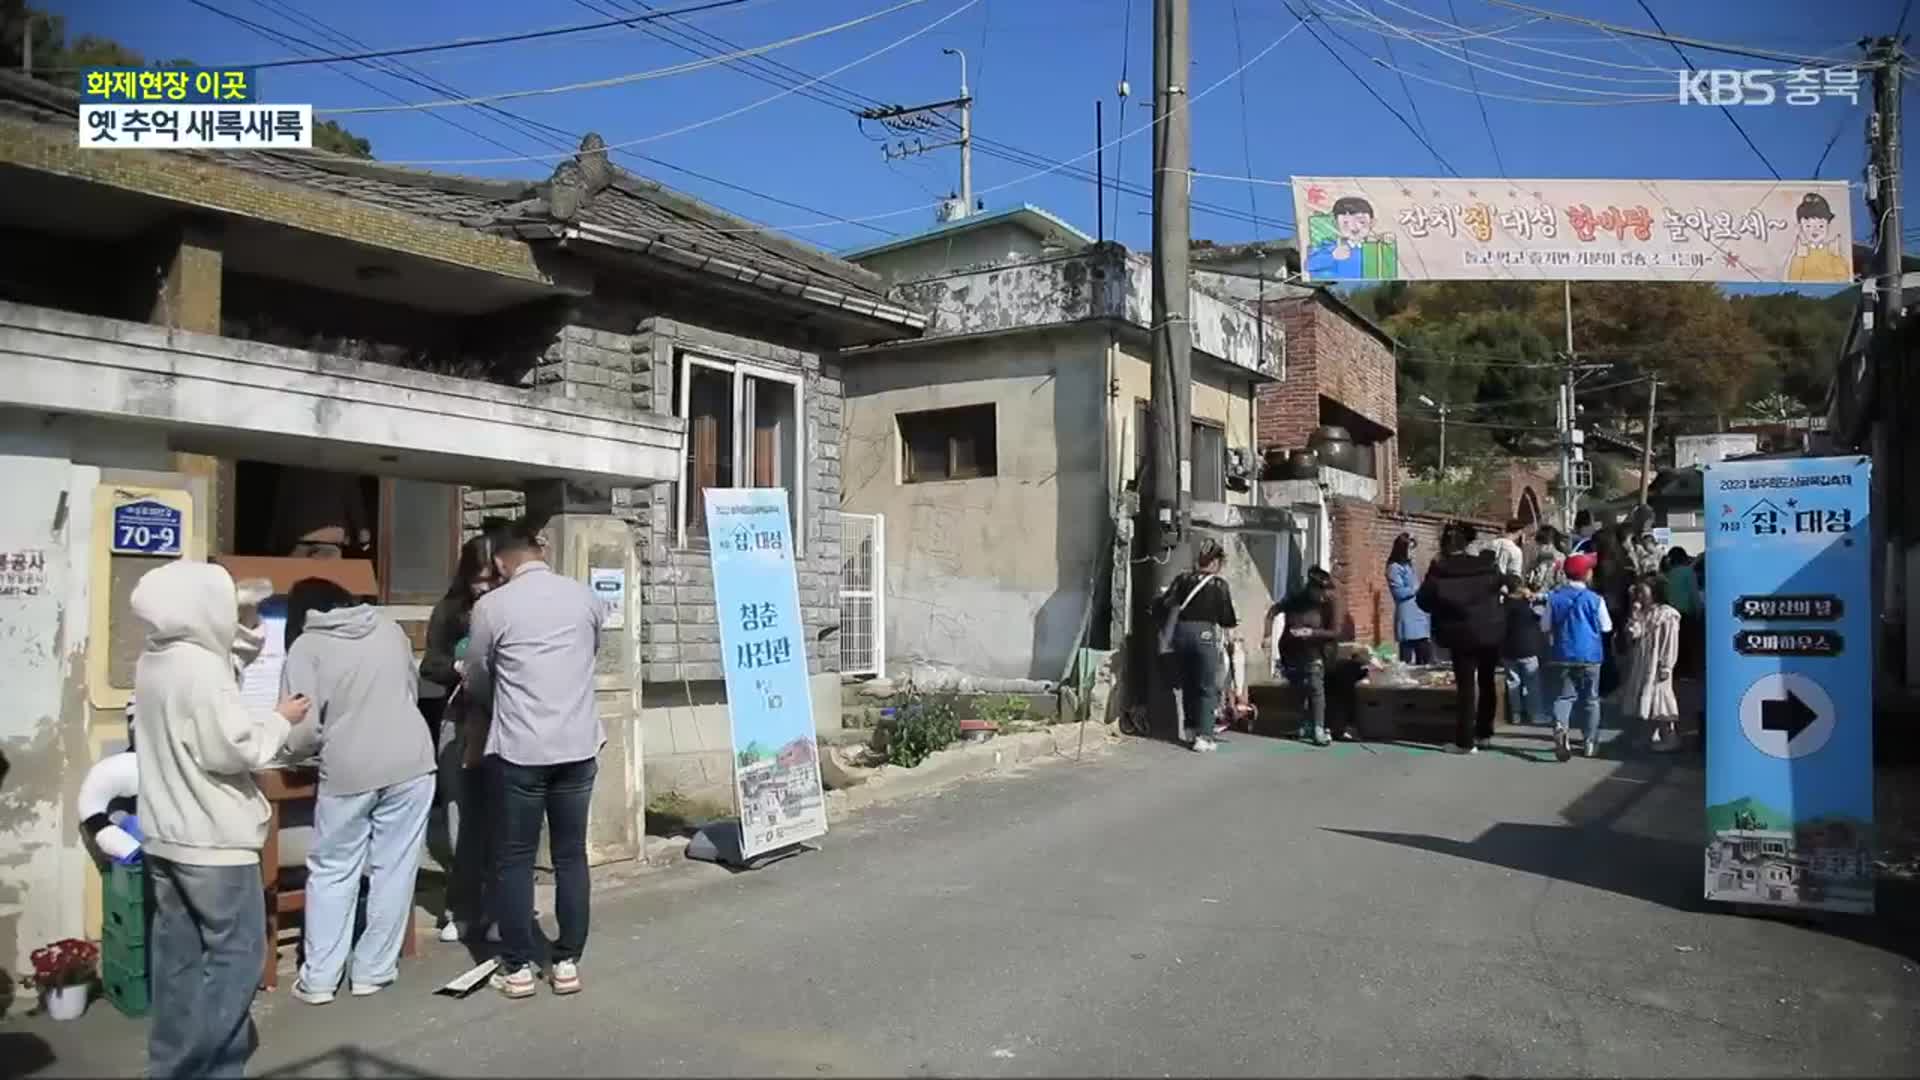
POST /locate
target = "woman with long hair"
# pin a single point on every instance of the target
(1412, 627)
(464, 850)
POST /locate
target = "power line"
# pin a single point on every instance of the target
(1474, 81)
(1634, 31)
(1724, 111)
(1413, 105)
(1120, 152)
(1375, 94)
(538, 130)
(1246, 136)
(728, 115)
(468, 43)
(631, 77)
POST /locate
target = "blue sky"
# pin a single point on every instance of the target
(1036, 68)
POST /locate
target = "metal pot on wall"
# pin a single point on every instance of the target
(1291, 465)
(1337, 450)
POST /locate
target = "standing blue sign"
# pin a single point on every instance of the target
(763, 648)
(1789, 684)
(146, 528)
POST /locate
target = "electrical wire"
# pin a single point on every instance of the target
(1246, 136)
(1529, 99)
(1119, 152)
(631, 77)
(1526, 47)
(1724, 111)
(463, 43)
(711, 120)
(534, 129)
(1375, 94)
(1413, 105)
(1474, 81)
(1634, 31)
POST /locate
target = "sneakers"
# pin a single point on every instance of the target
(520, 984)
(1321, 738)
(1203, 745)
(1483, 744)
(1347, 735)
(360, 989)
(565, 977)
(1455, 748)
(1562, 744)
(300, 993)
(1590, 748)
(454, 932)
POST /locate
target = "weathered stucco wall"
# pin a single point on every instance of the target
(1218, 396)
(944, 254)
(990, 575)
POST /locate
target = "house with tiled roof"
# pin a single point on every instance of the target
(259, 353)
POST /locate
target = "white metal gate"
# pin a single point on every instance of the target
(863, 601)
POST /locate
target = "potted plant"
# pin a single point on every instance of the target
(63, 973)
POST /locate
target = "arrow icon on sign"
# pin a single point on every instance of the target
(1790, 715)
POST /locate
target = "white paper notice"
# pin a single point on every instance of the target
(260, 680)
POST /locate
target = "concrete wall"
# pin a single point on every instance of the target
(989, 575)
(942, 254)
(1220, 395)
(53, 466)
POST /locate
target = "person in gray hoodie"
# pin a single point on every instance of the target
(205, 819)
(376, 783)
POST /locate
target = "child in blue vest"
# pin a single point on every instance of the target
(1576, 621)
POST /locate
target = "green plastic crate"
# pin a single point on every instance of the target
(126, 987)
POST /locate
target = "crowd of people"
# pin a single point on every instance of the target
(1567, 623)
(510, 740)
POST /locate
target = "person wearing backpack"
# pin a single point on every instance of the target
(1196, 614)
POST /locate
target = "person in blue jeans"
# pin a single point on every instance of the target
(1520, 655)
(376, 784)
(1576, 622)
(530, 658)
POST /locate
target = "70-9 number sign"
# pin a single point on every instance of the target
(146, 528)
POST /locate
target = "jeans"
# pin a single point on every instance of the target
(1310, 675)
(1577, 686)
(1417, 652)
(209, 942)
(379, 833)
(1473, 695)
(525, 795)
(467, 853)
(1199, 661)
(1526, 701)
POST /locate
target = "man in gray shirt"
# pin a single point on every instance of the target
(530, 654)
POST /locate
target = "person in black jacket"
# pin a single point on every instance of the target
(462, 844)
(1462, 593)
(1520, 653)
(1202, 607)
(1307, 625)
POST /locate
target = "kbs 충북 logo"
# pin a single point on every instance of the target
(1764, 86)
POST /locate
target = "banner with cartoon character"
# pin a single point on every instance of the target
(1403, 229)
(763, 651)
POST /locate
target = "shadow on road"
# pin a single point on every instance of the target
(351, 1062)
(23, 1053)
(1640, 832)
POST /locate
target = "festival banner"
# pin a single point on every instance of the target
(1406, 229)
(763, 648)
(1790, 684)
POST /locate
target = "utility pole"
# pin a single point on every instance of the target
(1889, 442)
(26, 46)
(1568, 498)
(1163, 506)
(1442, 409)
(911, 121)
(1646, 451)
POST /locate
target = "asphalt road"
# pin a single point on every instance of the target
(1272, 910)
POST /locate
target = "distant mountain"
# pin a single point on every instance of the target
(1747, 813)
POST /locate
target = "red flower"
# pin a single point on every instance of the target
(67, 962)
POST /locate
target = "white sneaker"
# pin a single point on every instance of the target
(450, 933)
(299, 992)
(1591, 748)
(455, 932)
(520, 984)
(1203, 745)
(360, 989)
(565, 977)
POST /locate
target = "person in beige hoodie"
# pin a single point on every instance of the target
(205, 820)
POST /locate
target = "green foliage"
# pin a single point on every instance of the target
(56, 60)
(1460, 491)
(917, 728)
(1714, 354)
(754, 751)
(1007, 712)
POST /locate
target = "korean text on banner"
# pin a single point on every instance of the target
(1789, 684)
(196, 127)
(776, 766)
(1405, 229)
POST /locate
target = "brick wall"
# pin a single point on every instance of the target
(1362, 538)
(1330, 355)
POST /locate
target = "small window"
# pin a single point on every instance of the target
(743, 430)
(948, 444)
(1209, 463)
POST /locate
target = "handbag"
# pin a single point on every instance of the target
(1172, 618)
